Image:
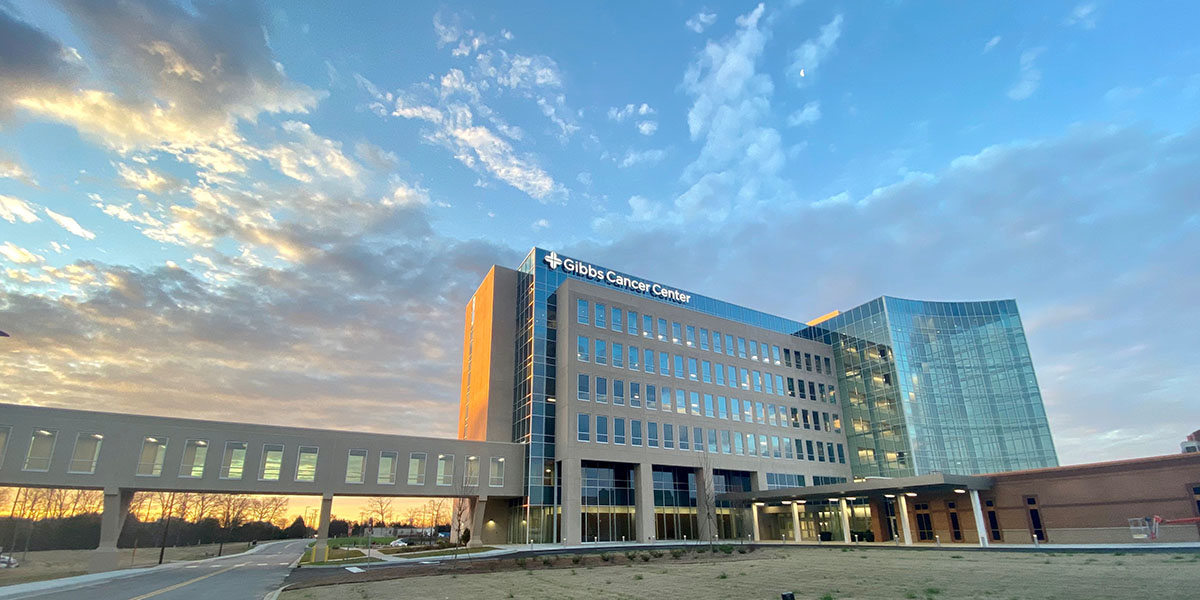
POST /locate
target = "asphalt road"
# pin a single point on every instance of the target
(237, 577)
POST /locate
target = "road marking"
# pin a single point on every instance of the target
(283, 564)
(179, 585)
(191, 566)
(263, 564)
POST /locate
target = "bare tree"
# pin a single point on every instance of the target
(706, 497)
(230, 509)
(464, 492)
(379, 508)
(202, 506)
(268, 509)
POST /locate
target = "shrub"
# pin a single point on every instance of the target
(630, 555)
(645, 557)
(520, 562)
(575, 558)
(656, 553)
(676, 553)
(606, 556)
(701, 549)
(638, 577)
(722, 575)
(548, 560)
(726, 548)
(741, 550)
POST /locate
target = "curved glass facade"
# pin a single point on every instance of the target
(937, 387)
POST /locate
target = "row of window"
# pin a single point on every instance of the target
(596, 389)
(86, 453)
(700, 370)
(694, 337)
(721, 441)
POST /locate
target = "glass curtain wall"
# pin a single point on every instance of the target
(675, 503)
(607, 503)
(730, 520)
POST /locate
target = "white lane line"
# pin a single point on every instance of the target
(263, 564)
(283, 564)
(191, 566)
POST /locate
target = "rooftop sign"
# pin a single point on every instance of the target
(614, 279)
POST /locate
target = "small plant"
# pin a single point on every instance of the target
(510, 595)
(656, 553)
(722, 576)
(630, 555)
(741, 550)
(638, 577)
(520, 562)
(827, 596)
(726, 548)
(701, 550)
(575, 558)
(847, 550)
(645, 556)
(910, 595)
(676, 553)
(548, 560)
(932, 591)
(606, 556)
(956, 556)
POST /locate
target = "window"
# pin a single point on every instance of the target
(680, 404)
(770, 389)
(602, 390)
(195, 452)
(691, 336)
(745, 376)
(41, 450)
(712, 441)
(841, 454)
(662, 330)
(634, 355)
(652, 398)
(698, 439)
(618, 392)
(827, 369)
(581, 311)
(651, 434)
(678, 367)
(635, 432)
(692, 370)
(735, 409)
(5, 432)
(695, 396)
(722, 408)
(720, 372)
(648, 363)
(601, 429)
(775, 447)
(619, 431)
(388, 461)
(1036, 528)
(800, 385)
(775, 354)
(717, 342)
(703, 339)
(705, 371)
(811, 455)
(445, 470)
(635, 394)
(751, 445)
(581, 348)
(799, 449)
(87, 450)
(807, 362)
(233, 462)
(787, 357)
(779, 385)
(709, 409)
(753, 350)
(601, 321)
(616, 319)
(668, 436)
(757, 381)
(618, 356)
(647, 326)
(306, 463)
(771, 415)
(471, 474)
(416, 468)
(732, 377)
(993, 522)
(150, 460)
(725, 444)
(584, 427)
(356, 466)
(729, 345)
(272, 463)
(601, 352)
(741, 347)
(631, 323)
(676, 333)
(664, 364)
(582, 392)
(683, 438)
(496, 473)
(748, 411)
(738, 448)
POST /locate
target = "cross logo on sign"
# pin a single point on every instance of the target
(553, 260)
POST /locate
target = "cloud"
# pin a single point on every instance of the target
(619, 114)
(812, 53)
(1029, 77)
(647, 127)
(71, 225)
(146, 179)
(309, 156)
(811, 113)
(1083, 15)
(991, 44)
(31, 63)
(18, 254)
(638, 157)
(701, 21)
(11, 169)
(541, 224)
(15, 209)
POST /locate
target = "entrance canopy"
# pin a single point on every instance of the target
(874, 487)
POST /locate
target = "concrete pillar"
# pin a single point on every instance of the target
(643, 491)
(477, 507)
(321, 547)
(106, 557)
(845, 510)
(754, 520)
(980, 530)
(706, 515)
(572, 490)
(902, 508)
(795, 522)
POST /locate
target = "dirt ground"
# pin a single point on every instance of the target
(51, 564)
(812, 573)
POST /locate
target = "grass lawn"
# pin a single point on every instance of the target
(355, 541)
(812, 573)
(52, 564)
(335, 554)
(445, 552)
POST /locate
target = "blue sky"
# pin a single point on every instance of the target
(206, 207)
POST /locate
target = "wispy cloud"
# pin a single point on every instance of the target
(71, 225)
(1028, 77)
(809, 114)
(639, 157)
(992, 43)
(1083, 15)
(18, 254)
(701, 21)
(15, 209)
(812, 53)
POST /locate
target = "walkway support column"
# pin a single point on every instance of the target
(978, 510)
(754, 520)
(844, 509)
(902, 508)
(795, 521)
(644, 502)
(572, 492)
(106, 556)
(321, 547)
(478, 506)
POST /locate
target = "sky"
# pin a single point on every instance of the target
(276, 213)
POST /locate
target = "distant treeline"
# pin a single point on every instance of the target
(82, 531)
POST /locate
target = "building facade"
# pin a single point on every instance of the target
(639, 403)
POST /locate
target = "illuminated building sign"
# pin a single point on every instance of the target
(610, 277)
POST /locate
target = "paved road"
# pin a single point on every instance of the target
(237, 577)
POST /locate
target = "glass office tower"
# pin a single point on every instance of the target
(935, 387)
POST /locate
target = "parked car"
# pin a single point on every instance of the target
(8, 562)
(398, 543)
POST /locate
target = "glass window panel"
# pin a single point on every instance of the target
(272, 462)
(647, 326)
(618, 392)
(648, 363)
(680, 403)
(601, 321)
(716, 340)
(616, 319)
(683, 438)
(709, 409)
(388, 463)
(691, 336)
(692, 370)
(662, 330)
(581, 311)
(87, 451)
(676, 333)
(631, 323)
(195, 452)
(635, 432)
(581, 348)
(602, 390)
(601, 429)
(618, 356)
(583, 427)
(619, 430)
(651, 434)
(306, 463)
(445, 469)
(233, 462)
(150, 460)
(634, 358)
(5, 433)
(416, 468)
(496, 473)
(668, 436)
(601, 352)
(41, 450)
(356, 466)
(471, 473)
(582, 390)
